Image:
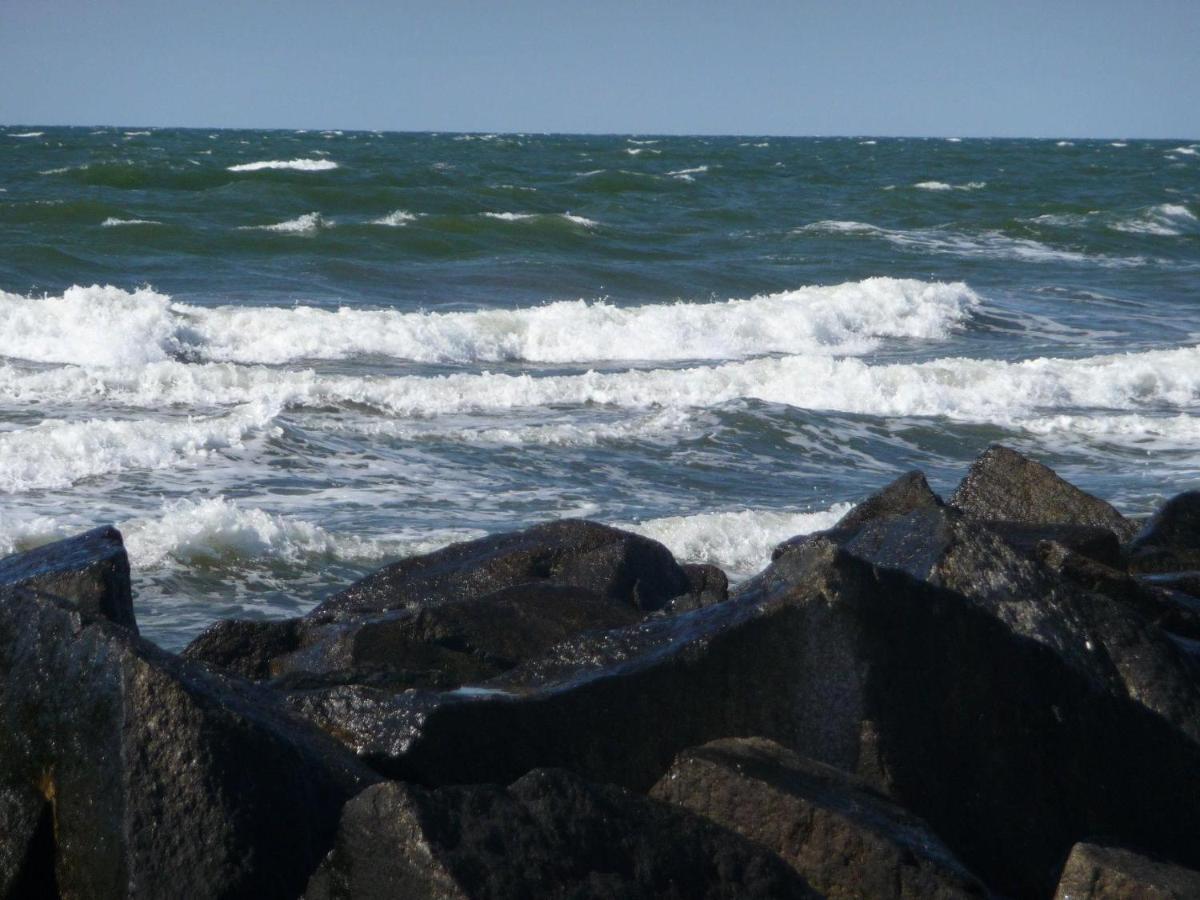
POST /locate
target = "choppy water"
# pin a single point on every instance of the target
(277, 360)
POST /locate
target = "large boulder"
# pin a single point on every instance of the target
(549, 834)
(1007, 748)
(842, 837)
(614, 564)
(1003, 485)
(1097, 872)
(157, 777)
(90, 570)
(1170, 541)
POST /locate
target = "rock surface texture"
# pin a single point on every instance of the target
(1095, 872)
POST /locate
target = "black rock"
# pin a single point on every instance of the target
(615, 564)
(841, 836)
(551, 835)
(91, 571)
(158, 778)
(1170, 541)
(244, 647)
(1096, 872)
(1003, 485)
(1007, 748)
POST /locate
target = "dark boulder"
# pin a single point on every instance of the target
(90, 570)
(453, 643)
(1009, 751)
(614, 564)
(1096, 872)
(549, 834)
(1003, 485)
(842, 837)
(707, 585)
(245, 647)
(1170, 541)
(159, 777)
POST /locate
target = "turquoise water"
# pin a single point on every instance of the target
(277, 360)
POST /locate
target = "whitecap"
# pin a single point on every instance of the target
(1065, 144)
(298, 165)
(638, 151)
(1165, 219)
(686, 174)
(113, 221)
(309, 223)
(28, 134)
(395, 219)
(1185, 151)
(944, 186)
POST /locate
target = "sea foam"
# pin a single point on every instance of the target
(298, 165)
(107, 326)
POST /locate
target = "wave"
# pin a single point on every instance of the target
(113, 222)
(395, 219)
(28, 134)
(298, 165)
(740, 541)
(1166, 219)
(945, 186)
(107, 326)
(987, 244)
(1154, 384)
(535, 217)
(638, 151)
(1185, 151)
(686, 174)
(309, 223)
(59, 454)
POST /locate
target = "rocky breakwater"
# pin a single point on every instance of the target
(992, 694)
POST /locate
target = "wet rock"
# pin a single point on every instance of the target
(453, 643)
(1170, 541)
(90, 570)
(158, 776)
(707, 585)
(1004, 747)
(550, 834)
(841, 836)
(1095, 872)
(1003, 485)
(614, 564)
(1094, 542)
(245, 647)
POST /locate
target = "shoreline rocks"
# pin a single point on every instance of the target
(931, 698)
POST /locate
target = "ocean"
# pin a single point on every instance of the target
(277, 360)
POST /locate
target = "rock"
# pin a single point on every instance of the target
(91, 571)
(1094, 542)
(244, 647)
(707, 585)
(842, 837)
(550, 834)
(908, 493)
(1006, 486)
(1170, 541)
(1095, 872)
(453, 643)
(1008, 750)
(158, 776)
(615, 564)
(1108, 640)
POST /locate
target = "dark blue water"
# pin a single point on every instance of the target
(277, 360)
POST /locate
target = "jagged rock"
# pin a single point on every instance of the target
(1091, 541)
(841, 836)
(1095, 872)
(451, 644)
(1008, 750)
(90, 570)
(245, 647)
(707, 585)
(1170, 541)
(159, 777)
(549, 834)
(615, 564)
(1155, 598)
(1003, 485)
(1107, 639)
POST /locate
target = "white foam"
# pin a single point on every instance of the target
(113, 222)
(954, 140)
(309, 223)
(638, 151)
(395, 219)
(987, 244)
(136, 133)
(867, 143)
(739, 541)
(298, 165)
(59, 171)
(944, 186)
(686, 174)
(190, 531)
(58, 454)
(633, 141)
(1118, 144)
(531, 217)
(28, 134)
(1065, 144)
(1185, 151)
(108, 326)
(1165, 219)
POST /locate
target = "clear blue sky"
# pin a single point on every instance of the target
(1070, 68)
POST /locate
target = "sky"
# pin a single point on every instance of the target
(1052, 68)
